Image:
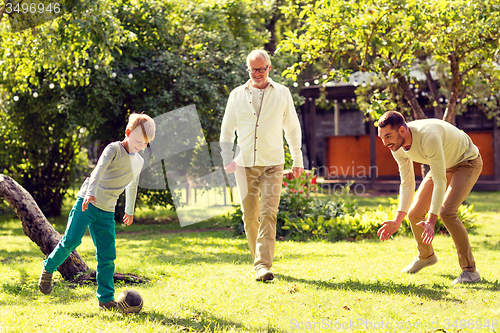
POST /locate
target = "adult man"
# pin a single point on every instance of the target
(455, 165)
(259, 111)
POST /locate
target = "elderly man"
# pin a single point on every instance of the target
(259, 111)
(455, 165)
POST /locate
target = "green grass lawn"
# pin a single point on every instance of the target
(203, 281)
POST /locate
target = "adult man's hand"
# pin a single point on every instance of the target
(387, 229)
(231, 167)
(428, 225)
(297, 171)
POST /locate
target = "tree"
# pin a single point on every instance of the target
(159, 56)
(458, 39)
(41, 137)
(61, 51)
(41, 147)
(183, 53)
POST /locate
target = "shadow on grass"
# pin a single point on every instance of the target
(26, 291)
(438, 292)
(487, 245)
(19, 257)
(6, 229)
(198, 321)
(481, 285)
(192, 248)
(200, 247)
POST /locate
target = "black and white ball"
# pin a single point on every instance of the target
(129, 301)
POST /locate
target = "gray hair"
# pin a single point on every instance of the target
(256, 53)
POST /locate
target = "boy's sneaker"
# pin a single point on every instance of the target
(111, 305)
(45, 282)
(417, 264)
(467, 277)
(263, 274)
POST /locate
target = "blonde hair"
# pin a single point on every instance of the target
(144, 122)
(257, 53)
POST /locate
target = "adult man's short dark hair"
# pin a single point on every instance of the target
(392, 118)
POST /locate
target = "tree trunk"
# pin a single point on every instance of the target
(56, 170)
(270, 46)
(425, 168)
(3, 9)
(410, 96)
(456, 82)
(417, 110)
(438, 111)
(41, 232)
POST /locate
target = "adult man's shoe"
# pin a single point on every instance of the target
(468, 277)
(45, 282)
(111, 305)
(417, 264)
(263, 274)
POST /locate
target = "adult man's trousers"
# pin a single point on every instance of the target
(260, 218)
(460, 180)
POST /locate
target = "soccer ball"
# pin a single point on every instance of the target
(129, 301)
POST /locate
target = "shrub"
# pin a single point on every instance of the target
(297, 203)
(302, 216)
(465, 213)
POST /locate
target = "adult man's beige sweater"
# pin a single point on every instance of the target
(438, 144)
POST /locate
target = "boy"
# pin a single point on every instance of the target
(118, 169)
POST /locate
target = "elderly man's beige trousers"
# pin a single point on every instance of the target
(260, 218)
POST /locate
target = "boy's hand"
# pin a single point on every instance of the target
(128, 219)
(88, 198)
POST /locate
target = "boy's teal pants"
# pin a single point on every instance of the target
(102, 229)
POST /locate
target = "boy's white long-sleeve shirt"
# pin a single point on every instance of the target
(440, 145)
(260, 136)
(116, 171)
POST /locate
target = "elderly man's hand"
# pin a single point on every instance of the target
(231, 167)
(297, 171)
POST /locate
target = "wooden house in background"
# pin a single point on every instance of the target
(343, 146)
